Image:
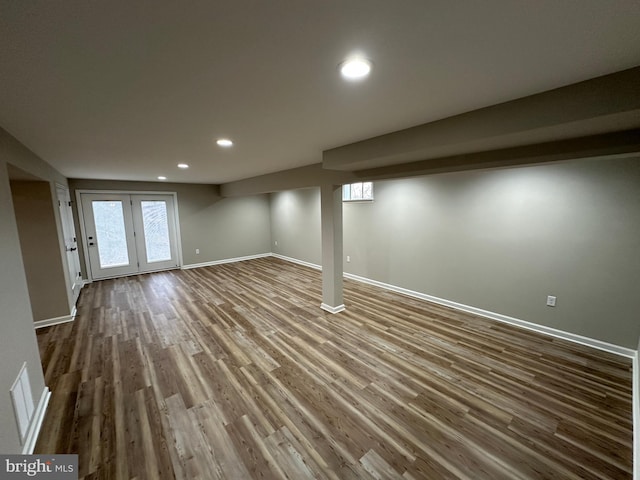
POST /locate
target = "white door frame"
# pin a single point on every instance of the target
(83, 231)
(70, 242)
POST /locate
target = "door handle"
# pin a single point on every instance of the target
(72, 249)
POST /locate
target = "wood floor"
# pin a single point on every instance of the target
(234, 371)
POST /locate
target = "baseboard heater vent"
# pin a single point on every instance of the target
(22, 402)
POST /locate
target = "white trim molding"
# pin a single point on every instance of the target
(553, 332)
(55, 321)
(572, 337)
(330, 309)
(295, 260)
(323, 306)
(36, 422)
(226, 260)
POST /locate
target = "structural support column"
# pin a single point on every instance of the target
(331, 212)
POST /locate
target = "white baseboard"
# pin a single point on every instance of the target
(572, 337)
(295, 260)
(330, 309)
(226, 260)
(55, 321)
(36, 422)
(323, 306)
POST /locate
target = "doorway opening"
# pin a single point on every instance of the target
(34, 207)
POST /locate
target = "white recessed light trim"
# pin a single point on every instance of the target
(183, 165)
(162, 177)
(355, 68)
(224, 142)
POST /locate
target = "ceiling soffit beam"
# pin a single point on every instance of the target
(600, 105)
(301, 177)
(604, 145)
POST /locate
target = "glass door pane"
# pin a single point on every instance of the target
(109, 238)
(156, 230)
(111, 234)
(154, 222)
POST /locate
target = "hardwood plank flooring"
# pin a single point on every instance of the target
(234, 372)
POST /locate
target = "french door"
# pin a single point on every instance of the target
(129, 233)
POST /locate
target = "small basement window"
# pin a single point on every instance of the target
(357, 192)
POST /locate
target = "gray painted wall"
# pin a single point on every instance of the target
(223, 227)
(500, 240)
(17, 336)
(295, 224)
(220, 227)
(34, 211)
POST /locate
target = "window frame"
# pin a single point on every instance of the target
(348, 187)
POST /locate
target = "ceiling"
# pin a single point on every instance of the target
(127, 90)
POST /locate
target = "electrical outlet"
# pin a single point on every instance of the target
(276, 243)
(197, 251)
(551, 301)
(348, 258)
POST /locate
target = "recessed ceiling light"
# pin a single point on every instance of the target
(162, 177)
(224, 142)
(183, 165)
(355, 68)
